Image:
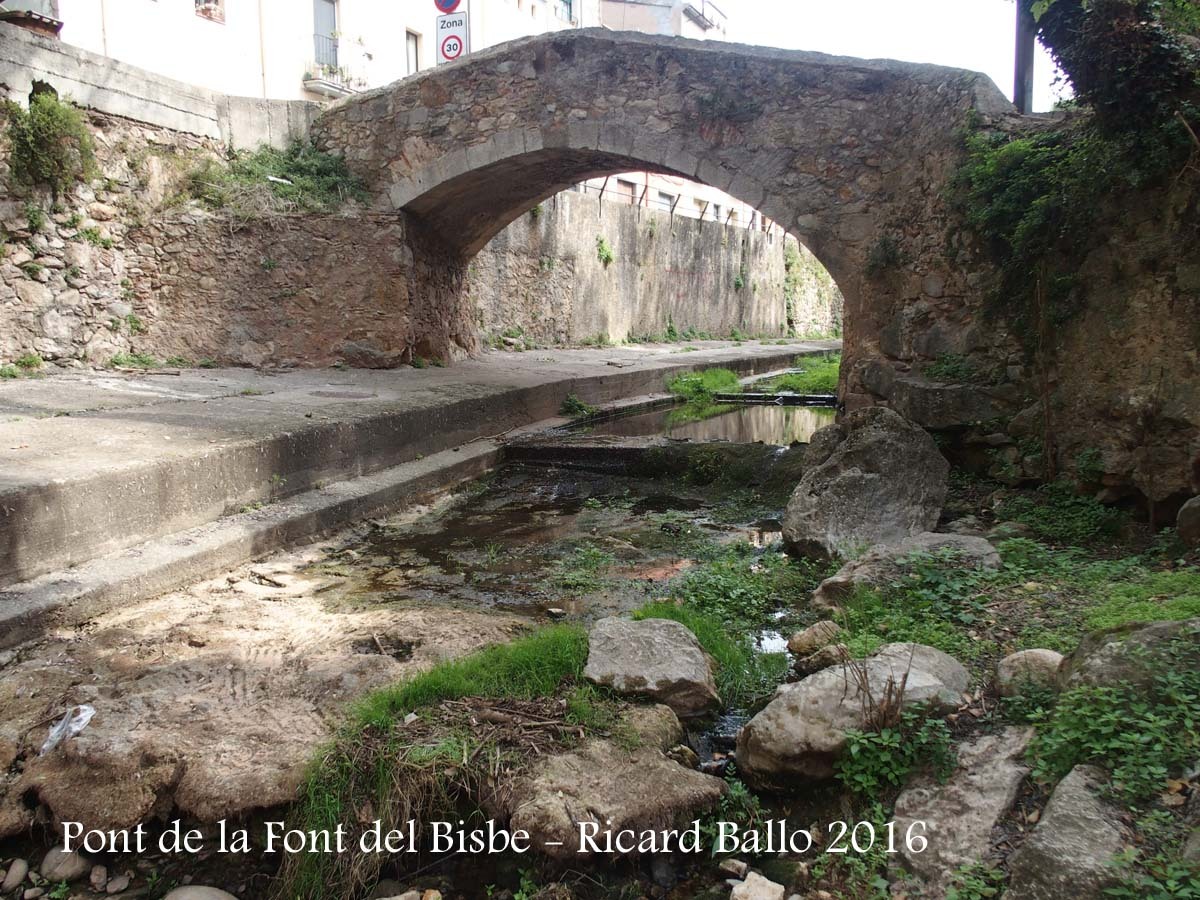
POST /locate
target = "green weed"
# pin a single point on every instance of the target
(1139, 733)
(877, 761)
(699, 387)
(575, 408)
(51, 144)
(819, 375)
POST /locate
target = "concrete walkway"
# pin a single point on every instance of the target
(94, 463)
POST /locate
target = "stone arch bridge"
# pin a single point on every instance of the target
(851, 156)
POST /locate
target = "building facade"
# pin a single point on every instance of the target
(325, 49)
(291, 49)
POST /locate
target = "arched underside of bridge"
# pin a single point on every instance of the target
(853, 157)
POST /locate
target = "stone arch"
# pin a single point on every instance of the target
(849, 155)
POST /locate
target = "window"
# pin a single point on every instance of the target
(627, 189)
(716, 208)
(665, 200)
(325, 33)
(213, 10)
(566, 10)
(412, 45)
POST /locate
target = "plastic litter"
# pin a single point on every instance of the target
(68, 726)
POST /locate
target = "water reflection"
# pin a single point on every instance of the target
(741, 424)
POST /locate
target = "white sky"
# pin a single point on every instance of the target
(968, 34)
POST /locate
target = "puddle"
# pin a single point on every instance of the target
(745, 424)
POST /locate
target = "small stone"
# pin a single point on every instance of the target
(755, 887)
(555, 612)
(32, 893)
(98, 878)
(735, 867)
(832, 655)
(118, 884)
(814, 637)
(16, 874)
(1037, 668)
(431, 895)
(59, 865)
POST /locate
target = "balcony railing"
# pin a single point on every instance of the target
(705, 14)
(325, 50)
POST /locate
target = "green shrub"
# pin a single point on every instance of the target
(818, 375)
(951, 367)
(1139, 733)
(699, 387)
(93, 236)
(604, 252)
(575, 408)
(269, 181)
(51, 144)
(35, 216)
(875, 761)
(977, 881)
(133, 361)
(9, 372)
(29, 361)
(1058, 514)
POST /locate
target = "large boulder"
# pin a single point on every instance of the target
(654, 658)
(802, 731)
(1070, 852)
(882, 481)
(814, 637)
(1131, 653)
(1187, 525)
(885, 563)
(611, 786)
(959, 815)
(1027, 668)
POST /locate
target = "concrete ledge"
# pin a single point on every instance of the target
(108, 473)
(72, 597)
(113, 87)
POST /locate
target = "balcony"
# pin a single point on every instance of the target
(706, 15)
(36, 15)
(324, 76)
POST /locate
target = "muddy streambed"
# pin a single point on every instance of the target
(210, 701)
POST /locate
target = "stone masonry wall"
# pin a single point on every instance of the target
(543, 276)
(127, 266)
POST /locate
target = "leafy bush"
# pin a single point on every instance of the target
(51, 144)
(575, 408)
(817, 375)
(875, 761)
(976, 882)
(1058, 514)
(133, 361)
(29, 361)
(951, 367)
(1139, 733)
(699, 387)
(604, 252)
(269, 181)
(935, 602)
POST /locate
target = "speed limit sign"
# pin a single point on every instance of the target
(453, 38)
